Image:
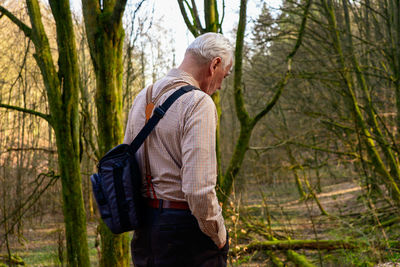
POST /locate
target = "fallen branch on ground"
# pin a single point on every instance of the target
(15, 260)
(298, 244)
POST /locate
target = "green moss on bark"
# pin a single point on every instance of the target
(105, 36)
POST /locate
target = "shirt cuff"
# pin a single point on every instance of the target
(220, 238)
(215, 230)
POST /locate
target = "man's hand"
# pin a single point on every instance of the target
(222, 245)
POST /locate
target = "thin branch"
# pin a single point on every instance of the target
(31, 199)
(240, 107)
(23, 27)
(138, 6)
(52, 151)
(19, 76)
(265, 148)
(275, 98)
(196, 18)
(47, 117)
(190, 26)
(351, 154)
(285, 79)
(223, 15)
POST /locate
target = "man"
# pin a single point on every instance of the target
(184, 224)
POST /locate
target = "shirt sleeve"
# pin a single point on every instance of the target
(199, 169)
(128, 137)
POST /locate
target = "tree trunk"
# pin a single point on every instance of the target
(300, 244)
(105, 37)
(291, 255)
(62, 91)
(247, 123)
(242, 144)
(389, 173)
(73, 208)
(226, 180)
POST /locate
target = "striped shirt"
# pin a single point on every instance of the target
(181, 151)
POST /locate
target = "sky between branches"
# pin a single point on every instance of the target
(168, 12)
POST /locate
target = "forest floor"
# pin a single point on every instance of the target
(371, 226)
(351, 219)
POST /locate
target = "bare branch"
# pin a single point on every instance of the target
(23, 27)
(195, 16)
(343, 153)
(47, 117)
(299, 244)
(281, 84)
(192, 28)
(47, 150)
(266, 148)
(31, 200)
(223, 16)
(19, 76)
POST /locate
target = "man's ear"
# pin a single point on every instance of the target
(215, 62)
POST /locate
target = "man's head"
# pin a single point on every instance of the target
(209, 59)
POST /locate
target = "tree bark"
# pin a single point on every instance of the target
(247, 123)
(389, 173)
(105, 36)
(62, 89)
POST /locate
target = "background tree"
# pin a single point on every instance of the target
(247, 123)
(62, 88)
(314, 139)
(105, 36)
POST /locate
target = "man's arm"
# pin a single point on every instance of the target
(199, 169)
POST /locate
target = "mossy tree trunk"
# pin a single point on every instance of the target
(291, 255)
(300, 244)
(247, 124)
(105, 36)
(373, 137)
(62, 89)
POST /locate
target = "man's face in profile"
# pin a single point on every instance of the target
(220, 73)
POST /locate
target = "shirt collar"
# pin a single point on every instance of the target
(186, 77)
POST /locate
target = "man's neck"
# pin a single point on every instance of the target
(191, 66)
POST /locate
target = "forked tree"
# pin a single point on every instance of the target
(105, 35)
(62, 88)
(247, 123)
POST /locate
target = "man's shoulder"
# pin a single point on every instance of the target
(196, 97)
(142, 93)
(140, 97)
(197, 102)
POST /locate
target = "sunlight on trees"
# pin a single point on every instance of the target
(308, 146)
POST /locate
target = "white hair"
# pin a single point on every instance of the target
(211, 45)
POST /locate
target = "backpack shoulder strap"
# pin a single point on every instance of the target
(158, 113)
(150, 102)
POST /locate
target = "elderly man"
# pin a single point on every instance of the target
(184, 223)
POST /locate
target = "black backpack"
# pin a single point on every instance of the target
(117, 185)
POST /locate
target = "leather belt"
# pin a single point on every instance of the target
(166, 204)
